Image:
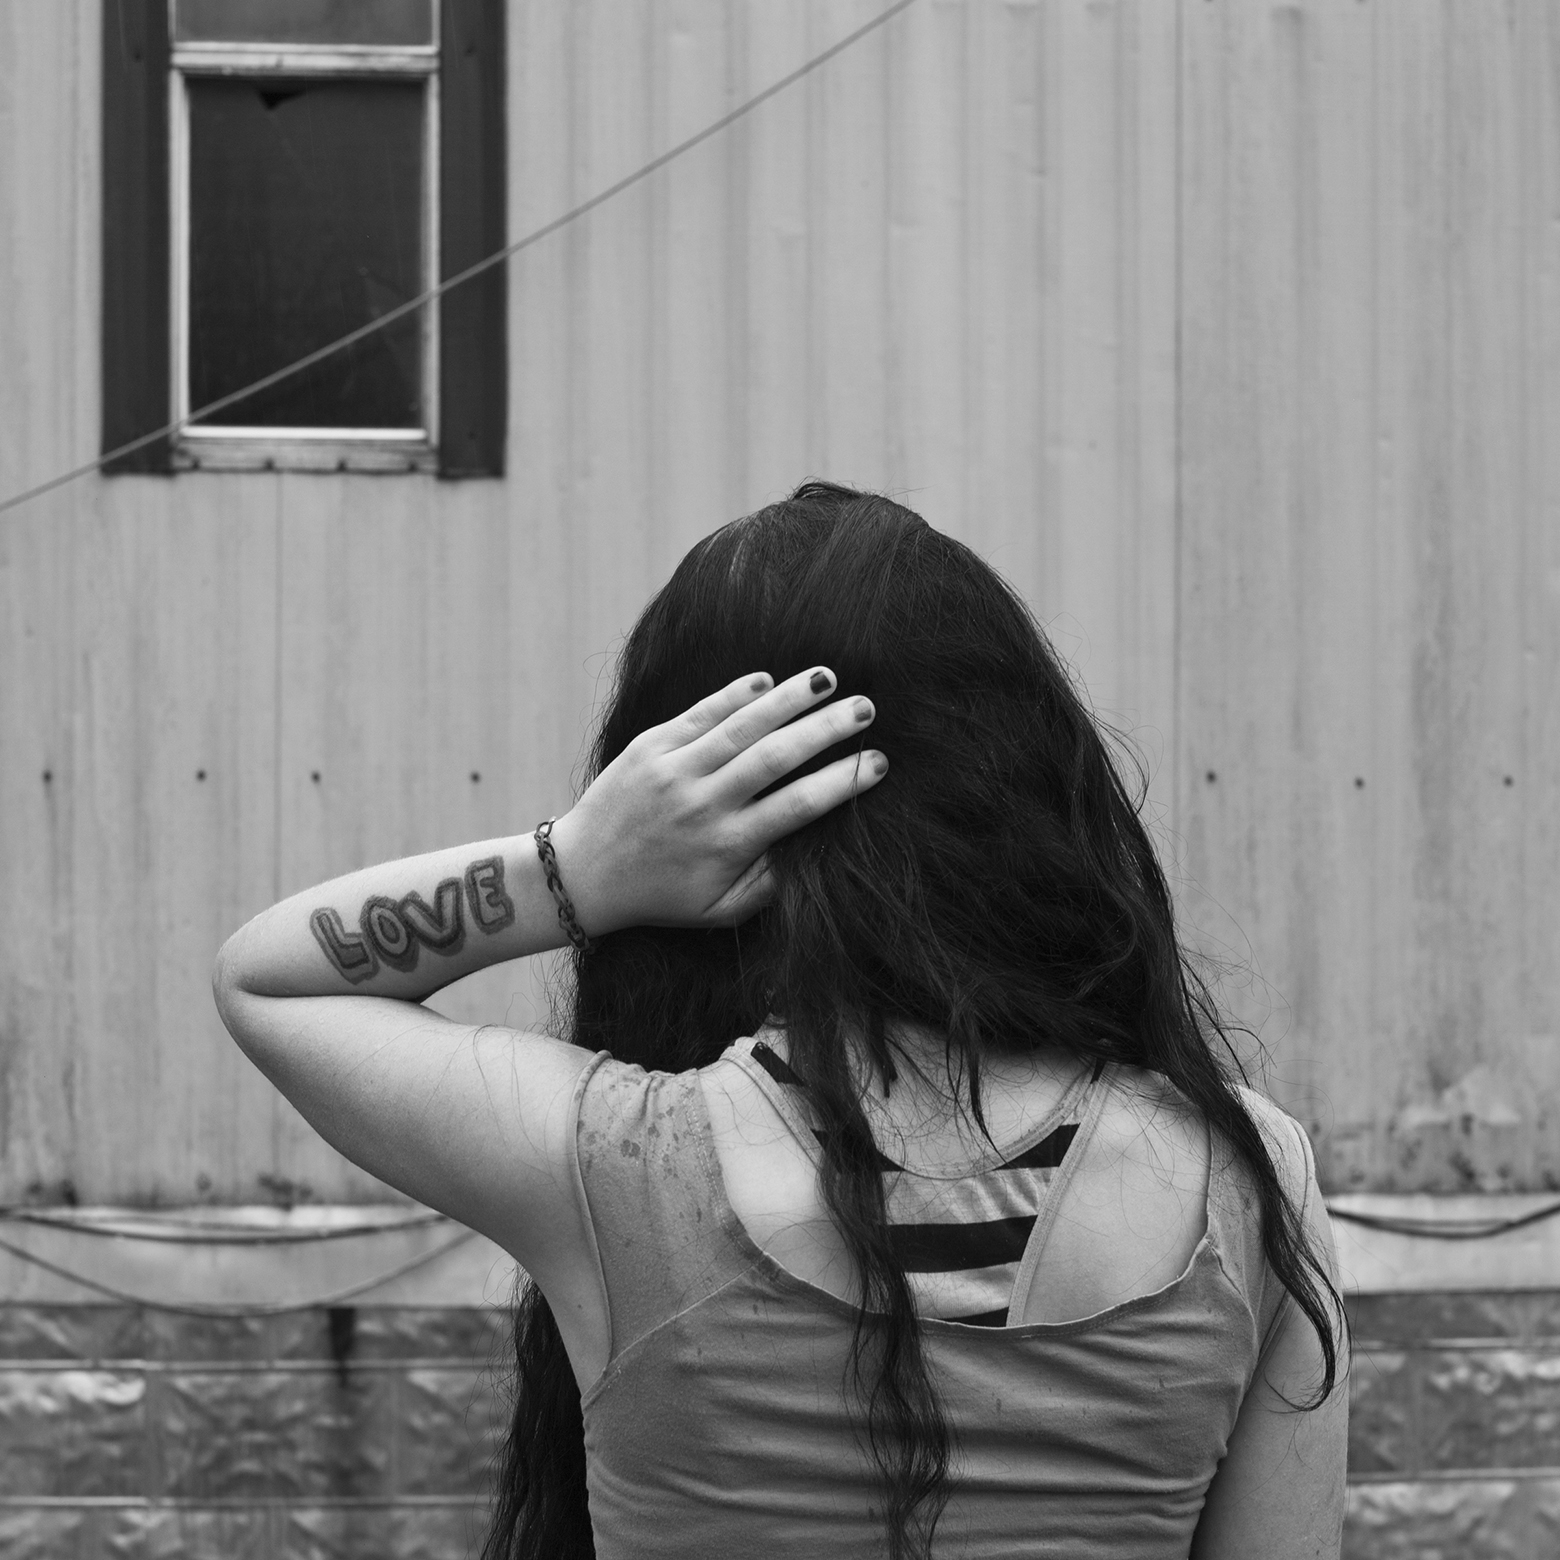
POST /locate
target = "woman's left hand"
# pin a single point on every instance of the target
(673, 831)
(323, 990)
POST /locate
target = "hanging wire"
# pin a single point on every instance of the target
(194, 1232)
(197, 1233)
(460, 277)
(1445, 1229)
(252, 1309)
(214, 1232)
(1440, 1229)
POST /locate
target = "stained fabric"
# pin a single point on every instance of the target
(720, 1425)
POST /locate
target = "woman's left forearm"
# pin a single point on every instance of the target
(671, 833)
(401, 929)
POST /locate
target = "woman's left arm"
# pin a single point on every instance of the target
(323, 991)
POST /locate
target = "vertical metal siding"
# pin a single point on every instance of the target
(1223, 329)
(1370, 599)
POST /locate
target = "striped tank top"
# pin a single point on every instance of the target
(961, 1238)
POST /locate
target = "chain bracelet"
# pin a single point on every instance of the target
(567, 919)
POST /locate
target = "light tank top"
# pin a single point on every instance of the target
(720, 1425)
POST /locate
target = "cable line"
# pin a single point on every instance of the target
(254, 1308)
(536, 235)
(1445, 1229)
(145, 1226)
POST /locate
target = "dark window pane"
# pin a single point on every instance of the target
(305, 222)
(304, 21)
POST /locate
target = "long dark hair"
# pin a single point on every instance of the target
(998, 888)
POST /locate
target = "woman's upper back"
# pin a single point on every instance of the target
(1091, 1428)
(1114, 1199)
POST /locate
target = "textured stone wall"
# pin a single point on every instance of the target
(362, 1434)
(1454, 1440)
(369, 1434)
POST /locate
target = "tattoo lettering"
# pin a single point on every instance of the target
(437, 926)
(491, 908)
(350, 954)
(395, 934)
(388, 935)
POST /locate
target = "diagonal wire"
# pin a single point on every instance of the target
(460, 277)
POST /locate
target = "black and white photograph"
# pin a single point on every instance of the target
(779, 778)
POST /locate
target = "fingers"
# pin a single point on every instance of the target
(708, 713)
(795, 805)
(748, 895)
(773, 757)
(754, 720)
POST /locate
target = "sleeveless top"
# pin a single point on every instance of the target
(721, 1424)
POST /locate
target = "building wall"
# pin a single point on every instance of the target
(1369, 616)
(1226, 329)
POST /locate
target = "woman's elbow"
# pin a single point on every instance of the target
(227, 989)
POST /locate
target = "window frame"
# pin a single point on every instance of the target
(145, 230)
(240, 447)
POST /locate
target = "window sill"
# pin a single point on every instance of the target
(285, 451)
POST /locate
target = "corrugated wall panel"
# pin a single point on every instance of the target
(1225, 330)
(1367, 654)
(1276, 453)
(1537, 1044)
(860, 281)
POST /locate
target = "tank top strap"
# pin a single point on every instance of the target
(1093, 1108)
(779, 1084)
(1043, 1146)
(960, 1231)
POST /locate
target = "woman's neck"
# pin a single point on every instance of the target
(925, 1110)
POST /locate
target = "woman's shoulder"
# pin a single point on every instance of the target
(1160, 1137)
(1144, 1119)
(630, 1112)
(1288, 1143)
(1150, 1102)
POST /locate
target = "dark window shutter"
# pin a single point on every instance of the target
(135, 230)
(473, 318)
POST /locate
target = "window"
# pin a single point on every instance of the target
(276, 174)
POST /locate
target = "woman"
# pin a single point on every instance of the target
(891, 1196)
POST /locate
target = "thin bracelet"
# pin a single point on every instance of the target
(567, 919)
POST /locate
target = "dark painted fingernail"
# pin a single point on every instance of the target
(863, 709)
(879, 764)
(760, 682)
(821, 682)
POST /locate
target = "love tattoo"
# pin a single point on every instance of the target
(394, 932)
